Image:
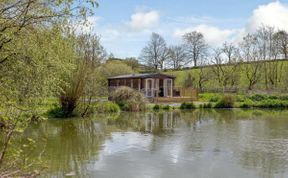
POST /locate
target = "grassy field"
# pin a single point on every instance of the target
(272, 76)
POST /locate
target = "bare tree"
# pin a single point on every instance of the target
(155, 53)
(269, 50)
(218, 70)
(281, 38)
(250, 54)
(204, 75)
(231, 52)
(90, 49)
(264, 36)
(196, 46)
(177, 56)
(226, 74)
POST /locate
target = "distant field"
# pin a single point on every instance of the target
(271, 74)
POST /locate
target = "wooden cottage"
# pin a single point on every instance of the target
(150, 84)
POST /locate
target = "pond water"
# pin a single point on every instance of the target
(209, 143)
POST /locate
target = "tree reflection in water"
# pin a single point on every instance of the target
(165, 144)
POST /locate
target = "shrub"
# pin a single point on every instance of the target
(187, 106)
(283, 97)
(156, 107)
(214, 99)
(211, 97)
(129, 99)
(258, 97)
(56, 112)
(227, 101)
(245, 105)
(240, 98)
(272, 104)
(107, 107)
(166, 107)
(272, 97)
(207, 105)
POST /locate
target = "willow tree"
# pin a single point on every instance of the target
(83, 82)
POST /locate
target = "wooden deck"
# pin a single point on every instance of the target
(180, 95)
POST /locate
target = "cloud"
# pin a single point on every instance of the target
(213, 35)
(196, 20)
(127, 37)
(274, 14)
(142, 20)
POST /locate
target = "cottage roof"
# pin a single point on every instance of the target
(143, 75)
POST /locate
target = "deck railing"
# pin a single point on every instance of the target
(153, 93)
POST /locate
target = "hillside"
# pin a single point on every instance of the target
(268, 75)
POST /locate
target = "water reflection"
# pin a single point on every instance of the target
(202, 143)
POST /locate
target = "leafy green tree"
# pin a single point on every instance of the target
(113, 68)
(132, 62)
(46, 58)
(37, 54)
(17, 15)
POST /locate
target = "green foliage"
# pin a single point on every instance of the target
(56, 112)
(129, 99)
(107, 107)
(206, 106)
(258, 97)
(261, 97)
(132, 62)
(242, 82)
(265, 101)
(115, 67)
(214, 99)
(188, 82)
(271, 103)
(210, 97)
(227, 101)
(83, 81)
(187, 106)
(37, 55)
(156, 107)
(166, 107)
(245, 105)
(240, 98)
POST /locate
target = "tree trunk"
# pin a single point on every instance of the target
(68, 105)
(5, 144)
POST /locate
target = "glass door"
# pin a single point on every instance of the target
(168, 87)
(149, 87)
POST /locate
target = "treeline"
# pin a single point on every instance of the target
(258, 59)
